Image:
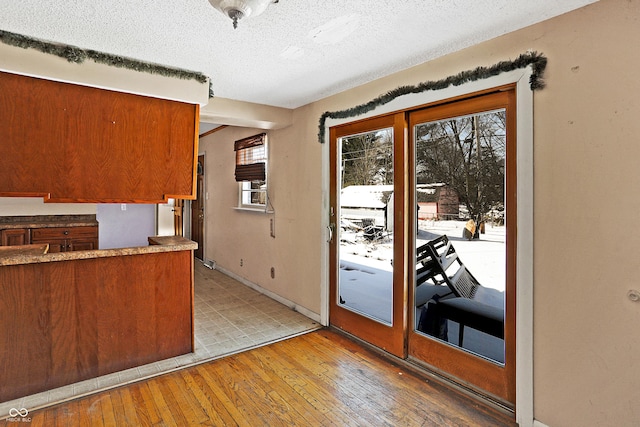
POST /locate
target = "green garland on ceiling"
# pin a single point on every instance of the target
(537, 61)
(77, 55)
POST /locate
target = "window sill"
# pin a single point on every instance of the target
(252, 209)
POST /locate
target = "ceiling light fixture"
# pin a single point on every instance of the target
(238, 9)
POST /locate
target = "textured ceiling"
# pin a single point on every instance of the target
(296, 52)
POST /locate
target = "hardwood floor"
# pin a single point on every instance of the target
(317, 379)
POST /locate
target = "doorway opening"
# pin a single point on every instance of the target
(197, 210)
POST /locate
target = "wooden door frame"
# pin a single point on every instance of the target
(178, 217)
(454, 362)
(389, 338)
(525, 242)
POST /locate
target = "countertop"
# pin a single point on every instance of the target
(47, 221)
(25, 254)
(22, 250)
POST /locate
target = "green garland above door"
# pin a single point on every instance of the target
(538, 63)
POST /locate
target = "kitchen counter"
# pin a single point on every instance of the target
(47, 221)
(72, 316)
(23, 250)
(160, 244)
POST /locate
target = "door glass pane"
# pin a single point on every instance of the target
(365, 231)
(460, 278)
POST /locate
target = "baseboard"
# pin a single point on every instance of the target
(300, 309)
(537, 423)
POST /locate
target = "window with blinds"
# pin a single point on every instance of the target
(251, 170)
(251, 158)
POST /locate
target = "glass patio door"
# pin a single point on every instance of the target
(366, 280)
(464, 210)
(423, 238)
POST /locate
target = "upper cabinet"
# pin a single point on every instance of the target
(71, 143)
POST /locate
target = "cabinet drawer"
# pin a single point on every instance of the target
(63, 232)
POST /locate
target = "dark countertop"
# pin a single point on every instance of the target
(47, 221)
(162, 244)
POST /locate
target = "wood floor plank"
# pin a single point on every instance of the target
(283, 391)
(147, 416)
(242, 389)
(317, 379)
(129, 407)
(93, 409)
(181, 397)
(249, 397)
(331, 406)
(166, 414)
(435, 392)
(37, 420)
(375, 386)
(81, 411)
(68, 416)
(108, 414)
(339, 381)
(119, 411)
(184, 398)
(227, 400)
(343, 378)
(217, 413)
(277, 409)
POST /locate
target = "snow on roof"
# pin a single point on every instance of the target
(366, 196)
(377, 196)
(428, 193)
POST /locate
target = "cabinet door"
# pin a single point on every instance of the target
(55, 245)
(14, 237)
(82, 245)
(64, 239)
(82, 239)
(55, 237)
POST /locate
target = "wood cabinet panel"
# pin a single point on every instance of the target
(64, 232)
(64, 239)
(56, 246)
(68, 321)
(82, 245)
(14, 237)
(70, 143)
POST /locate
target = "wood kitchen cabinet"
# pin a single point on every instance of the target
(130, 148)
(65, 320)
(14, 237)
(66, 239)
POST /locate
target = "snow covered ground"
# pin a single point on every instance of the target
(366, 275)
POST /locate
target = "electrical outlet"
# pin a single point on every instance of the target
(273, 273)
(241, 262)
(123, 206)
(272, 228)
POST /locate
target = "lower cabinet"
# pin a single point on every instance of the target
(71, 320)
(65, 239)
(14, 237)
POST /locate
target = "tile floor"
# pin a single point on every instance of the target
(229, 317)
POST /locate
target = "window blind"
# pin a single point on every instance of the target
(251, 156)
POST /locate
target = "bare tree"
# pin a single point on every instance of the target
(367, 159)
(467, 153)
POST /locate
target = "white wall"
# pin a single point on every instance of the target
(26, 206)
(125, 228)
